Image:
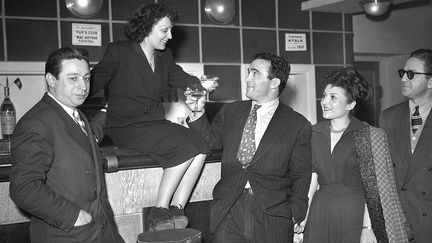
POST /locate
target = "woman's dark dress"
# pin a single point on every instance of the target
(337, 208)
(135, 117)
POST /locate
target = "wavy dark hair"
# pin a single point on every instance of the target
(356, 87)
(279, 68)
(53, 64)
(141, 23)
(426, 56)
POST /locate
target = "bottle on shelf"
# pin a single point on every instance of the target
(7, 114)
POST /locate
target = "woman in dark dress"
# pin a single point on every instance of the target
(138, 73)
(356, 200)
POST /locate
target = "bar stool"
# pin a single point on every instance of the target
(173, 235)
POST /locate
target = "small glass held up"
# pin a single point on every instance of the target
(207, 81)
(197, 91)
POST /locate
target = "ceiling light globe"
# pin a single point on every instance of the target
(375, 8)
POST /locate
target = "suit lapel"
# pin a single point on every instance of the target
(146, 71)
(276, 128)
(71, 127)
(422, 148)
(94, 152)
(402, 138)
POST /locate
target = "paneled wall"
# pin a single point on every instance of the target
(31, 29)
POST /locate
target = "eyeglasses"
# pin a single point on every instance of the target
(409, 73)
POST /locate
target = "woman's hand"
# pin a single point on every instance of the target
(193, 103)
(367, 236)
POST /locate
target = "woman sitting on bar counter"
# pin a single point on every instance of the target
(138, 73)
(357, 199)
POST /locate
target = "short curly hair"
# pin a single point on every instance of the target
(279, 68)
(356, 87)
(141, 23)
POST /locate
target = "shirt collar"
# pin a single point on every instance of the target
(66, 108)
(267, 106)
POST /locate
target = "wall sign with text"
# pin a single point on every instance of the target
(295, 42)
(86, 34)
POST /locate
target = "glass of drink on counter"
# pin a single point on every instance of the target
(207, 81)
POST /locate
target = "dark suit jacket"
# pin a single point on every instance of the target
(413, 172)
(56, 171)
(280, 171)
(135, 91)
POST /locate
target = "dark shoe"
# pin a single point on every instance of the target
(159, 219)
(178, 216)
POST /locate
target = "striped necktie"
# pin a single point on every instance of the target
(78, 120)
(247, 145)
(416, 120)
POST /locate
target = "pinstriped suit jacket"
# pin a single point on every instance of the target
(413, 171)
(280, 171)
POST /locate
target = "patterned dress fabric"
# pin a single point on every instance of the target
(247, 145)
(388, 220)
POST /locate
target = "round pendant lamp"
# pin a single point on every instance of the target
(84, 8)
(375, 7)
(220, 11)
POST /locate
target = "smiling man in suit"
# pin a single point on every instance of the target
(266, 160)
(57, 174)
(409, 129)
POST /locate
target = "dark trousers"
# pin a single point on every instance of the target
(246, 222)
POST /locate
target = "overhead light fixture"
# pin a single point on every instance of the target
(84, 8)
(220, 11)
(375, 7)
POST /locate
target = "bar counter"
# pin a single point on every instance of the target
(132, 180)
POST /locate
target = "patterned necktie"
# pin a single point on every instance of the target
(247, 145)
(416, 120)
(78, 120)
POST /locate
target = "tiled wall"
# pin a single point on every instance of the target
(31, 29)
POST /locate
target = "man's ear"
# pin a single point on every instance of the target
(51, 80)
(275, 82)
(429, 83)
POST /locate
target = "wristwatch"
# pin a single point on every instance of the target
(369, 227)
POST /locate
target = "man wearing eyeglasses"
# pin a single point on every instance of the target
(409, 129)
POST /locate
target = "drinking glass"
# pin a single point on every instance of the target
(207, 82)
(197, 91)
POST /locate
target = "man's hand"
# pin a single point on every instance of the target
(83, 218)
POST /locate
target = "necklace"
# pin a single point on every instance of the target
(338, 130)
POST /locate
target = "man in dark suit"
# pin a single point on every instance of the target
(57, 174)
(266, 160)
(409, 129)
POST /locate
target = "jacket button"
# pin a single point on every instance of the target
(102, 226)
(88, 171)
(424, 214)
(403, 189)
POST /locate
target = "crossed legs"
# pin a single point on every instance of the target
(177, 182)
(174, 191)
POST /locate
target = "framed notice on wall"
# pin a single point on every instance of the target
(295, 42)
(86, 34)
